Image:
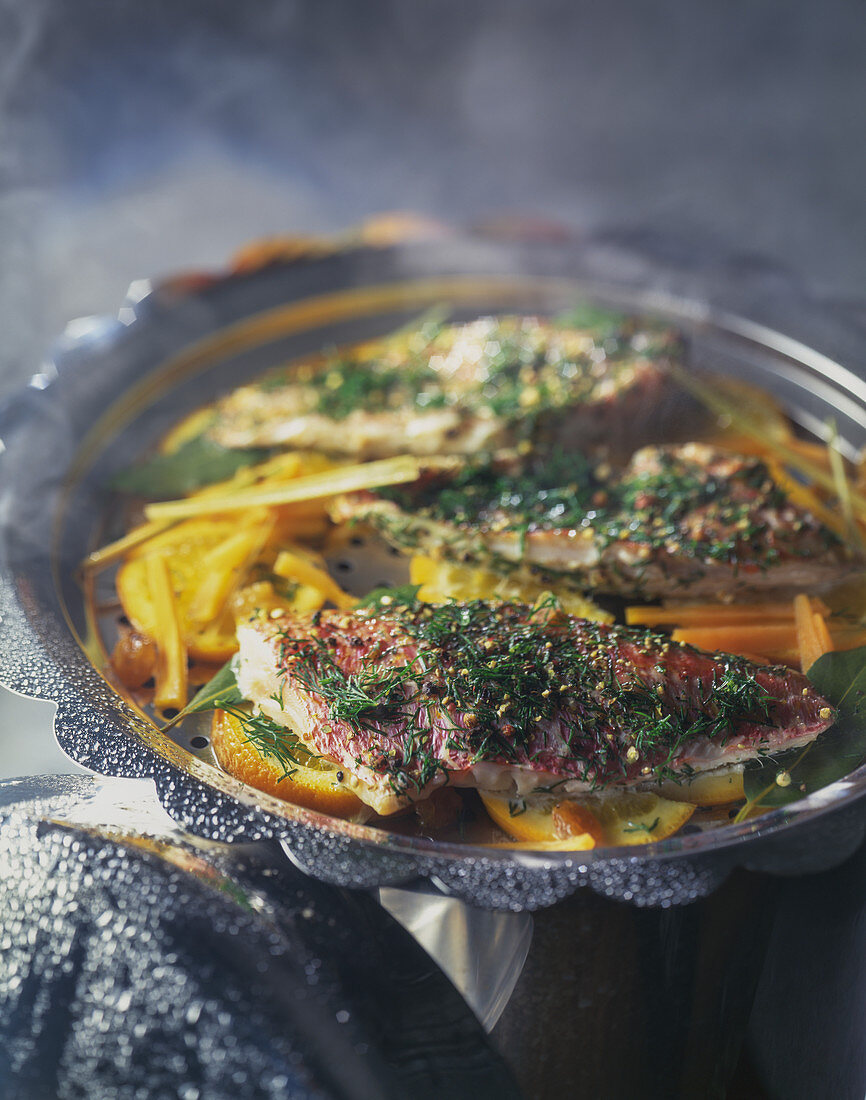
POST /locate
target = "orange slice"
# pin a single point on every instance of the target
(626, 817)
(533, 824)
(315, 786)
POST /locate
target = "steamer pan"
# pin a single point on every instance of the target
(113, 386)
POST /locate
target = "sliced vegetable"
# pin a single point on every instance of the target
(713, 615)
(256, 754)
(114, 551)
(298, 565)
(224, 568)
(535, 823)
(620, 817)
(171, 662)
(716, 788)
(813, 638)
(776, 640)
(805, 497)
(183, 548)
(441, 580)
(786, 451)
(639, 817)
(346, 479)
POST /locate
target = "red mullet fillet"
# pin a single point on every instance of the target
(513, 700)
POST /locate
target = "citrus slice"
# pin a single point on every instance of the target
(534, 824)
(315, 786)
(710, 789)
(567, 844)
(625, 817)
(442, 580)
(638, 817)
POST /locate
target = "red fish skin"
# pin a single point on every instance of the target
(584, 743)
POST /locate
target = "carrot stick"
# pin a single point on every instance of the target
(171, 667)
(813, 641)
(822, 632)
(773, 639)
(710, 615)
(804, 497)
(223, 569)
(344, 479)
(294, 566)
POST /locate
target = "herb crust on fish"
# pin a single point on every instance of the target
(462, 388)
(513, 699)
(688, 520)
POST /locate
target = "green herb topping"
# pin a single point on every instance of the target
(703, 506)
(510, 367)
(421, 687)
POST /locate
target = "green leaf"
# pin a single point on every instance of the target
(221, 691)
(587, 316)
(198, 462)
(404, 595)
(841, 679)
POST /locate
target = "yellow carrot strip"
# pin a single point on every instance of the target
(287, 466)
(222, 569)
(773, 639)
(784, 451)
(106, 555)
(803, 496)
(809, 639)
(822, 632)
(843, 488)
(346, 479)
(171, 674)
(294, 567)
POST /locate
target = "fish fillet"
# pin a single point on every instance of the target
(461, 389)
(686, 521)
(513, 700)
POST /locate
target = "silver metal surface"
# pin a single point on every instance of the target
(170, 352)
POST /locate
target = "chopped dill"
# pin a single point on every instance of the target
(273, 741)
(463, 683)
(676, 503)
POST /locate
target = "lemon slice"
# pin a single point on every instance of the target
(638, 817)
(533, 823)
(441, 580)
(626, 817)
(711, 789)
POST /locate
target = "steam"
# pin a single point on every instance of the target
(137, 139)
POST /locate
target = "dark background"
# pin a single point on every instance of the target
(141, 138)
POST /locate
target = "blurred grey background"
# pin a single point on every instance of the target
(138, 139)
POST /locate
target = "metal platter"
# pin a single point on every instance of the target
(116, 386)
